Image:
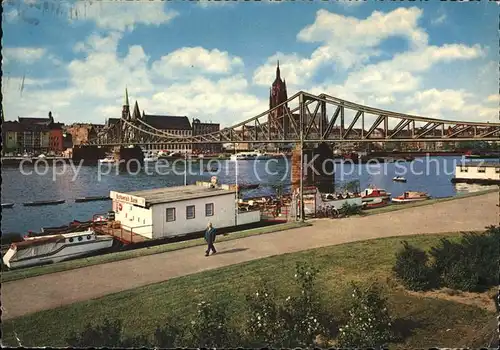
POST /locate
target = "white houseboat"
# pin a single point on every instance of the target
(178, 211)
(484, 173)
(54, 248)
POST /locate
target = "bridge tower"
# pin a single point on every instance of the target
(278, 119)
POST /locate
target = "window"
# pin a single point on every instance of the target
(170, 214)
(190, 212)
(80, 238)
(209, 209)
(497, 170)
(481, 170)
(464, 169)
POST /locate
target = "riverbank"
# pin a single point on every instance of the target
(30, 295)
(425, 320)
(14, 275)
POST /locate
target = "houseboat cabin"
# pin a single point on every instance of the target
(486, 173)
(177, 211)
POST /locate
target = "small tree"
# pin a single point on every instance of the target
(412, 269)
(369, 324)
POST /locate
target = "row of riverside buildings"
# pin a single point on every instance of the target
(34, 135)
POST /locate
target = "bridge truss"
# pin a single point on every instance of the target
(308, 118)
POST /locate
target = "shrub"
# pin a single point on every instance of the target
(369, 323)
(412, 268)
(209, 327)
(350, 209)
(109, 334)
(471, 264)
(265, 325)
(295, 322)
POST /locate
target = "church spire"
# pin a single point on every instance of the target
(126, 97)
(278, 71)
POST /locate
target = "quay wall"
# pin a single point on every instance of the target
(16, 161)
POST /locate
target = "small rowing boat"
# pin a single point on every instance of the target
(40, 203)
(7, 205)
(399, 179)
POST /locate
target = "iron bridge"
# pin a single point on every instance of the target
(308, 118)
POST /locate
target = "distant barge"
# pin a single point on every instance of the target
(92, 199)
(40, 203)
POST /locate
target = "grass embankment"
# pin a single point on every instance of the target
(111, 257)
(426, 321)
(394, 207)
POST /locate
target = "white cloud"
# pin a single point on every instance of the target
(440, 19)
(212, 3)
(26, 55)
(493, 98)
(193, 60)
(96, 83)
(346, 42)
(122, 16)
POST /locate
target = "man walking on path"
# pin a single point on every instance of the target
(210, 238)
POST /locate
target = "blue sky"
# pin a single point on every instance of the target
(216, 60)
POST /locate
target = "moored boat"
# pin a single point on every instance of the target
(375, 197)
(398, 179)
(91, 199)
(40, 203)
(107, 160)
(411, 196)
(49, 249)
(7, 205)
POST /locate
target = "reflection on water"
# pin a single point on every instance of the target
(470, 188)
(433, 178)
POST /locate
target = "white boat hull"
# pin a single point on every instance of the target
(407, 200)
(63, 251)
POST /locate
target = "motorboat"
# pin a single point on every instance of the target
(411, 196)
(398, 179)
(34, 251)
(375, 197)
(7, 205)
(150, 159)
(107, 160)
(255, 155)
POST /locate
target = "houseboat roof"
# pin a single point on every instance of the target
(178, 193)
(480, 164)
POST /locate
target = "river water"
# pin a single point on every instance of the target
(431, 175)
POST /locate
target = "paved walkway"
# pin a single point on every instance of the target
(49, 291)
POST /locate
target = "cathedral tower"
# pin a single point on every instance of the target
(278, 95)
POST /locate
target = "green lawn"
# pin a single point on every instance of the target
(102, 259)
(427, 321)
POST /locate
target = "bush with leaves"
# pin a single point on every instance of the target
(350, 209)
(295, 322)
(471, 264)
(369, 323)
(412, 268)
(209, 327)
(109, 335)
(265, 324)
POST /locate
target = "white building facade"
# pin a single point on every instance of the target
(177, 211)
(485, 173)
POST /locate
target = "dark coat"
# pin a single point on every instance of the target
(210, 235)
